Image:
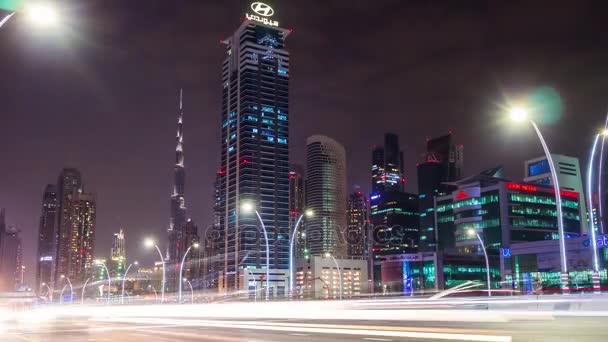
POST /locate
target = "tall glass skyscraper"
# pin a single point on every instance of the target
(255, 147)
(47, 244)
(387, 166)
(326, 196)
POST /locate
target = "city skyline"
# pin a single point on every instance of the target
(137, 200)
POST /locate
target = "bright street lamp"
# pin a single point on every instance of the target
(124, 277)
(473, 232)
(328, 255)
(248, 207)
(102, 263)
(41, 14)
(307, 213)
(521, 114)
(150, 243)
(181, 268)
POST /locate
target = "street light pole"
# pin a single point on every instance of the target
(485, 254)
(595, 276)
(267, 290)
(49, 291)
(521, 114)
(291, 255)
(339, 272)
(560, 218)
(5, 19)
(124, 277)
(191, 289)
(102, 263)
(83, 289)
(150, 243)
(181, 269)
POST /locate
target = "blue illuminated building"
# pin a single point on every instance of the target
(254, 154)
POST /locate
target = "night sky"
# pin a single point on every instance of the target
(101, 93)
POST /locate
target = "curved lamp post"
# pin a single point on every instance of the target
(150, 243)
(248, 207)
(181, 268)
(124, 277)
(473, 232)
(596, 268)
(40, 14)
(328, 255)
(102, 263)
(49, 293)
(255, 285)
(191, 289)
(308, 213)
(155, 293)
(71, 288)
(521, 114)
(84, 287)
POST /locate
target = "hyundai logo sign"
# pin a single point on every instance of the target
(262, 9)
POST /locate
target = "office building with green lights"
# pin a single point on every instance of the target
(507, 216)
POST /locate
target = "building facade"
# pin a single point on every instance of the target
(325, 196)
(296, 206)
(319, 277)
(69, 184)
(254, 148)
(82, 212)
(357, 229)
(443, 164)
(47, 243)
(387, 166)
(11, 256)
(569, 177)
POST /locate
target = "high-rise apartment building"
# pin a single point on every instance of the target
(443, 164)
(69, 184)
(254, 146)
(118, 250)
(387, 166)
(326, 196)
(568, 176)
(178, 199)
(47, 243)
(357, 221)
(11, 256)
(81, 212)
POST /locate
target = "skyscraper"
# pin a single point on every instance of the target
(255, 145)
(69, 183)
(178, 200)
(82, 212)
(118, 245)
(11, 257)
(326, 196)
(47, 243)
(443, 163)
(356, 235)
(387, 166)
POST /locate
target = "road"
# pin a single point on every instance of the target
(552, 319)
(147, 329)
